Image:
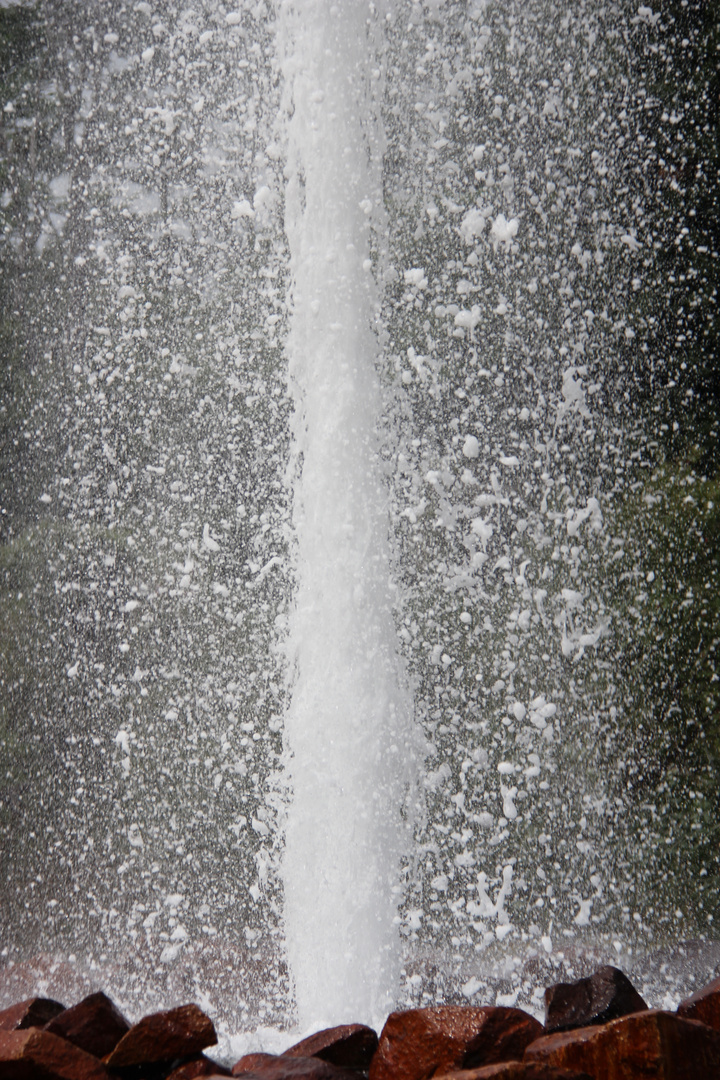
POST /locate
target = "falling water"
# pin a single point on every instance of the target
(358, 501)
(348, 730)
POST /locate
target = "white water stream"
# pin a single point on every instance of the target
(349, 726)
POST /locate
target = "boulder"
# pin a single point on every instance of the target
(703, 1006)
(95, 1024)
(164, 1036)
(35, 1012)
(349, 1045)
(199, 1066)
(603, 996)
(34, 1054)
(516, 1070)
(420, 1043)
(650, 1045)
(252, 1063)
(284, 1067)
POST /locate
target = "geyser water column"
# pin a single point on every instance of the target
(348, 730)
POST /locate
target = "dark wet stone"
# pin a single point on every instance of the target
(420, 1043)
(164, 1036)
(603, 996)
(35, 1012)
(34, 1054)
(286, 1067)
(199, 1066)
(651, 1045)
(703, 1006)
(95, 1024)
(516, 1070)
(349, 1045)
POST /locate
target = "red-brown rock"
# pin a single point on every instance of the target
(703, 1006)
(34, 1054)
(421, 1043)
(516, 1070)
(163, 1036)
(252, 1063)
(35, 1012)
(95, 1024)
(349, 1045)
(199, 1066)
(282, 1067)
(603, 996)
(651, 1045)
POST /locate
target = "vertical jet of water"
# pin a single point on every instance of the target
(348, 729)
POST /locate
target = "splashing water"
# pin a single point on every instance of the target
(349, 737)
(358, 502)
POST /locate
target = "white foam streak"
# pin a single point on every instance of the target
(348, 729)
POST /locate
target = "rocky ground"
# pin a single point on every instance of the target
(596, 1028)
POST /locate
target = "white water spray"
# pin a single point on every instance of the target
(348, 731)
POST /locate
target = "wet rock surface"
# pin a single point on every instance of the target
(647, 1044)
(349, 1045)
(292, 1067)
(252, 1063)
(95, 1024)
(35, 1012)
(606, 995)
(163, 1036)
(42, 1040)
(421, 1043)
(517, 1070)
(33, 1054)
(199, 1066)
(704, 1005)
